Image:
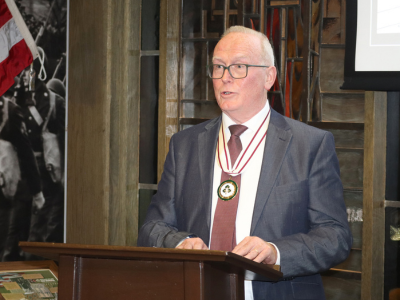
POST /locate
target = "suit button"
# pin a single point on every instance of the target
(45, 94)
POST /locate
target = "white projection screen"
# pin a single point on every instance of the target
(378, 35)
(372, 50)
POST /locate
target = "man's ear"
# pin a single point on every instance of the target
(270, 79)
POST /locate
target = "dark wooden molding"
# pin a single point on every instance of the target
(337, 125)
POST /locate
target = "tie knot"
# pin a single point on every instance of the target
(237, 130)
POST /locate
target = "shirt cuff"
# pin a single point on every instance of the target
(181, 242)
(188, 237)
(278, 255)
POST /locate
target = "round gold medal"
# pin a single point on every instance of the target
(227, 190)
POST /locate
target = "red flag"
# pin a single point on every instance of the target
(17, 47)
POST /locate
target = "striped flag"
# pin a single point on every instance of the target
(17, 47)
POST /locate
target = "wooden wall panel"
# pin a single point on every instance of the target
(132, 122)
(333, 15)
(349, 285)
(348, 138)
(354, 205)
(205, 109)
(352, 263)
(342, 113)
(169, 77)
(351, 167)
(343, 107)
(88, 123)
(103, 118)
(124, 60)
(333, 8)
(332, 69)
(331, 31)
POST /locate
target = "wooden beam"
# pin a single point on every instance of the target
(168, 113)
(306, 70)
(125, 104)
(88, 123)
(263, 27)
(103, 118)
(374, 196)
(284, 3)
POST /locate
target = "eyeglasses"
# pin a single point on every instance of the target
(237, 71)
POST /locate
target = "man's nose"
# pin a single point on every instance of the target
(226, 77)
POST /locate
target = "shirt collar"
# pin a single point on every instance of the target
(253, 124)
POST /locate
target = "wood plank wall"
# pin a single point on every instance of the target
(374, 195)
(168, 113)
(103, 122)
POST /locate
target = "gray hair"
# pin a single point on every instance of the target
(267, 52)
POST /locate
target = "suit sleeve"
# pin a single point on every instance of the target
(160, 226)
(328, 241)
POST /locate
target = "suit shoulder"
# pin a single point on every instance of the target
(193, 131)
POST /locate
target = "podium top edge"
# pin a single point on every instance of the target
(55, 250)
(37, 246)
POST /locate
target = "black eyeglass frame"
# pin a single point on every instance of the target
(228, 68)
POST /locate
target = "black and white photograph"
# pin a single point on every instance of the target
(32, 136)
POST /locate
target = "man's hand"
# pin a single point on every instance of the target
(256, 249)
(193, 243)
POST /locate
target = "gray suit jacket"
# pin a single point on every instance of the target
(299, 204)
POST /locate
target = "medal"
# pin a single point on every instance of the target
(227, 190)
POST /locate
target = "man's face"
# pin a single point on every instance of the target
(241, 99)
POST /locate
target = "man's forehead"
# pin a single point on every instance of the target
(237, 46)
(235, 57)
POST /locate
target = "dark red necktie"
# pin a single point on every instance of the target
(223, 235)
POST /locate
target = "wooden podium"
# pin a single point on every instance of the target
(89, 272)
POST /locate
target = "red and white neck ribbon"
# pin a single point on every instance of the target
(224, 158)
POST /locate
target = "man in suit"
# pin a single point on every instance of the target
(290, 209)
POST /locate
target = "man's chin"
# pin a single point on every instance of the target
(229, 105)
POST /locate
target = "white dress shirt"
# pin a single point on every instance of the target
(249, 181)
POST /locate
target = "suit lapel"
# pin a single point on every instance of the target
(207, 143)
(278, 139)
